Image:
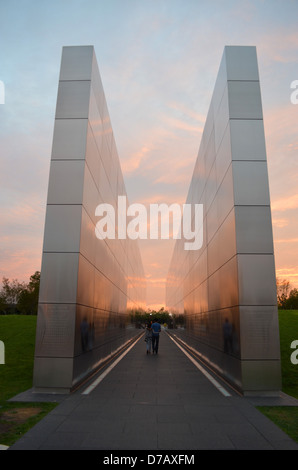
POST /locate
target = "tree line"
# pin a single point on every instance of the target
(20, 297)
(141, 318)
(287, 297)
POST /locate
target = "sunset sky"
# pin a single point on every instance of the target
(158, 62)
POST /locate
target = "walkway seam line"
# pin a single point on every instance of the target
(209, 377)
(108, 370)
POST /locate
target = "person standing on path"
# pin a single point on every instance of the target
(156, 329)
(148, 337)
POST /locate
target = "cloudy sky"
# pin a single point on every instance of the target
(158, 61)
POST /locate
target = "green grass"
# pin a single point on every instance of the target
(286, 417)
(17, 418)
(288, 328)
(18, 335)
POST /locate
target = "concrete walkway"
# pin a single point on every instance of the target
(154, 402)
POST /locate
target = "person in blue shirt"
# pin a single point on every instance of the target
(156, 329)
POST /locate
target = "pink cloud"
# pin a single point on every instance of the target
(280, 46)
(286, 240)
(285, 203)
(280, 222)
(133, 163)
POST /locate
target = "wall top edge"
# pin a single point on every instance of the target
(234, 46)
(76, 80)
(79, 46)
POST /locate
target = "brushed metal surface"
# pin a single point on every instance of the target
(241, 63)
(254, 229)
(62, 228)
(76, 63)
(245, 100)
(258, 332)
(227, 291)
(54, 336)
(256, 274)
(66, 182)
(69, 142)
(73, 99)
(88, 286)
(247, 139)
(58, 279)
(251, 183)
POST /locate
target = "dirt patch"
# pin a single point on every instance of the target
(19, 415)
(9, 419)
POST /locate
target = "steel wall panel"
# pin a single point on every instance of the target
(245, 100)
(85, 292)
(69, 142)
(258, 332)
(84, 281)
(53, 374)
(238, 283)
(256, 373)
(254, 229)
(223, 156)
(225, 196)
(241, 63)
(221, 119)
(87, 239)
(76, 63)
(73, 100)
(62, 228)
(247, 139)
(257, 285)
(58, 280)
(93, 159)
(251, 183)
(54, 336)
(66, 182)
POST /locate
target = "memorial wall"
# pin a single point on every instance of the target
(88, 285)
(226, 290)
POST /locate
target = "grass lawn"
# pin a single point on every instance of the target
(288, 327)
(286, 417)
(18, 334)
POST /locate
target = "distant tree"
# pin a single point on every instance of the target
(292, 300)
(283, 289)
(28, 298)
(10, 294)
(140, 318)
(19, 297)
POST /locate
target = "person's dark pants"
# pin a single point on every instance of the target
(155, 341)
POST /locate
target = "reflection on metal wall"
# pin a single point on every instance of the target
(227, 289)
(88, 286)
